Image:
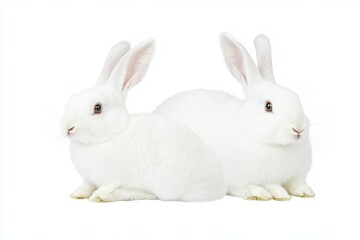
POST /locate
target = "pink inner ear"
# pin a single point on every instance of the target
(132, 68)
(124, 84)
(239, 64)
(237, 60)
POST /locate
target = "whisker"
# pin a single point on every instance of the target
(54, 135)
(319, 125)
(52, 128)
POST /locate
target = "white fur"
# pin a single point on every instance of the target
(123, 156)
(260, 151)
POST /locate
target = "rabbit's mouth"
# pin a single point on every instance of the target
(298, 133)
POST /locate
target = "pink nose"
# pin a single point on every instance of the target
(298, 132)
(70, 130)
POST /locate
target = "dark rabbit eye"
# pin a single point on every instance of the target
(97, 108)
(268, 106)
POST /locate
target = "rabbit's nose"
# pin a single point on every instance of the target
(70, 130)
(298, 131)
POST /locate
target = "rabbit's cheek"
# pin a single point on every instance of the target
(101, 128)
(277, 132)
(94, 129)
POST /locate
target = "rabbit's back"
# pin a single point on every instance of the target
(211, 114)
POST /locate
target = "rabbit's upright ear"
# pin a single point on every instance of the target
(112, 58)
(132, 67)
(263, 54)
(238, 60)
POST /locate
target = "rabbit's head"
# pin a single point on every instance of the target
(95, 115)
(272, 113)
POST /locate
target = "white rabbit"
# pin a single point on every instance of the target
(262, 141)
(123, 156)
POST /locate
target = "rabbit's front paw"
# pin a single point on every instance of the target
(251, 192)
(84, 191)
(299, 189)
(278, 192)
(254, 192)
(101, 195)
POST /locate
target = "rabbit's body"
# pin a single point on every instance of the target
(246, 159)
(123, 156)
(262, 141)
(154, 155)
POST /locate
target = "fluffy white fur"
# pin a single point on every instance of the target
(123, 156)
(263, 156)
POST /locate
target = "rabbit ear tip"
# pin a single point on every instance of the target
(261, 38)
(225, 35)
(122, 44)
(126, 42)
(148, 43)
(261, 35)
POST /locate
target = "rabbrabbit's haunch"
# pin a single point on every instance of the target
(262, 141)
(123, 156)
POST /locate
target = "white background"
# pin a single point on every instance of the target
(52, 49)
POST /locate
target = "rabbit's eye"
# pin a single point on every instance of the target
(97, 108)
(268, 106)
